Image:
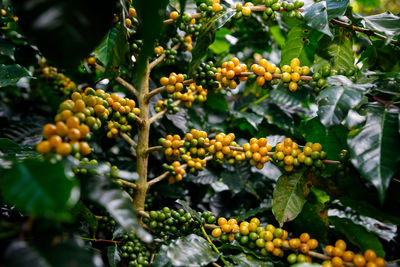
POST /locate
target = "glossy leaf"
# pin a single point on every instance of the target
(47, 193)
(69, 23)
(336, 8)
(217, 102)
(245, 261)
(101, 190)
(11, 74)
(114, 259)
(207, 36)
(316, 17)
(112, 51)
(371, 148)
(253, 119)
(149, 13)
(385, 23)
(191, 250)
(358, 235)
(301, 43)
(289, 196)
(338, 51)
(335, 101)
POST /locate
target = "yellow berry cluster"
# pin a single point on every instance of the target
(172, 146)
(216, 6)
(291, 75)
(288, 155)
(245, 11)
(178, 171)
(132, 14)
(173, 83)
(124, 113)
(193, 92)
(188, 40)
(271, 240)
(264, 71)
(221, 148)
(229, 69)
(341, 256)
(57, 80)
(158, 50)
(257, 151)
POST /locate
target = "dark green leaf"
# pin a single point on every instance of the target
(101, 190)
(385, 23)
(316, 17)
(161, 258)
(112, 51)
(252, 213)
(306, 264)
(7, 48)
(149, 13)
(338, 52)
(358, 235)
(113, 256)
(371, 148)
(247, 261)
(289, 196)
(83, 212)
(20, 254)
(335, 101)
(301, 43)
(287, 98)
(217, 102)
(47, 193)
(253, 119)
(192, 212)
(74, 27)
(191, 250)
(11, 74)
(336, 8)
(206, 36)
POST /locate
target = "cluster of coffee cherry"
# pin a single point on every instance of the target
(83, 112)
(55, 79)
(228, 73)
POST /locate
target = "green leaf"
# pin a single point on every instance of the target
(47, 193)
(84, 213)
(358, 235)
(206, 36)
(289, 196)
(191, 250)
(112, 51)
(11, 74)
(385, 23)
(152, 25)
(369, 3)
(301, 42)
(316, 17)
(371, 148)
(335, 101)
(74, 28)
(103, 191)
(253, 119)
(11, 150)
(114, 259)
(217, 102)
(336, 8)
(220, 45)
(243, 260)
(192, 212)
(252, 213)
(7, 48)
(284, 97)
(338, 51)
(278, 35)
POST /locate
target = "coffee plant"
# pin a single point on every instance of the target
(199, 133)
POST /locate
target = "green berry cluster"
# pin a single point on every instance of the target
(168, 104)
(204, 75)
(274, 6)
(107, 223)
(344, 167)
(319, 78)
(133, 252)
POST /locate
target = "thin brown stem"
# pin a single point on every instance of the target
(128, 139)
(362, 30)
(162, 57)
(154, 148)
(100, 240)
(121, 81)
(126, 183)
(382, 101)
(161, 114)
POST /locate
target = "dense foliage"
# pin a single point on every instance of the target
(199, 133)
